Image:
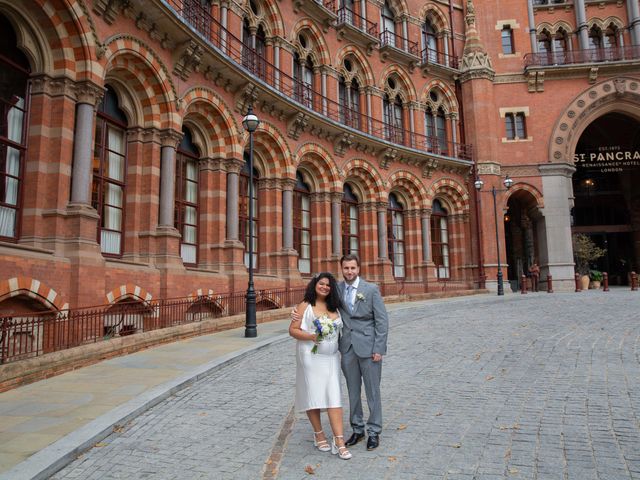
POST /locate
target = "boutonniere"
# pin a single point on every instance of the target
(360, 296)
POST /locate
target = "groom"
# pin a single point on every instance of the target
(362, 344)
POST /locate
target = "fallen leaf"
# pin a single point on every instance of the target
(269, 462)
(203, 414)
(456, 445)
(100, 444)
(489, 377)
(513, 471)
(310, 470)
(402, 427)
(392, 459)
(118, 428)
(438, 414)
(478, 355)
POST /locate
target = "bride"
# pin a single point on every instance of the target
(318, 361)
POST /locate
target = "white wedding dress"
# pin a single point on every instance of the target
(317, 374)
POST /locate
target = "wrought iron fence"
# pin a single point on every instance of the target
(304, 93)
(33, 334)
(346, 15)
(391, 39)
(593, 55)
(433, 56)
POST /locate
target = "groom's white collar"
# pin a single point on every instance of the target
(355, 283)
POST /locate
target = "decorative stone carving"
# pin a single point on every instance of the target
(247, 96)
(620, 86)
(342, 142)
(297, 125)
(593, 75)
(387, 156)
(189, 59)
(429, 167)
(108, 9)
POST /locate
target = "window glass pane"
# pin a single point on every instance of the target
(304, 265)
(110, 242)
(189, 234)
(509, 126)
(188, 253)
(520, 130)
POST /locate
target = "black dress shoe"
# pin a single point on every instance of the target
(372, 442)
(353, 439)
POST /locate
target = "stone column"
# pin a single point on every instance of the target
(233, 167)
(323, 86)
(581, 22)
(533, 37)
(369, 113)
(558, 200)
(88, 96)
(276, 63)
(633, 13)
(170, 140)
(445, 39)
(336, 228)
(405, 34)
(363, 10)
(287, 214)
(425, 219)
(224, 10)
(383, 252)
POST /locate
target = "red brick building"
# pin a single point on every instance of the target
(124, 168)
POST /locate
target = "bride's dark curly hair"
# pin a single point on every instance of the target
(333, 299)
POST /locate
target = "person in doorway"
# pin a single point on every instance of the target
(318, 361)
(534, 273)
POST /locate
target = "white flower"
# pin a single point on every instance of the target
(360, 296)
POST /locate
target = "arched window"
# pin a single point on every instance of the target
(244, 212)
(393, 119)
(109, 167)
(544, 42)
(186, 200)
(350, 229)
(14, 94)
(560, 46)
(395, 236)
(430, 42)
(302, 223)
(610, 37)
(254, 48)
(261, 53)
(388, 25)
(303, 80)
(436, 130)
(440, 239)
(595, 37)
(349, 102)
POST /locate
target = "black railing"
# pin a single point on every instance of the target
(304, 93)
(433, 56)
(350, 17)
(389, 38)
(30, 335)
(593, 55)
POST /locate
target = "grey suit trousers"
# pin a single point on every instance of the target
(354, 369)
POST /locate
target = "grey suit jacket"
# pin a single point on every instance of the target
(365, 327)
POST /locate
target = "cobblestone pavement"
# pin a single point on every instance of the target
(520, 387)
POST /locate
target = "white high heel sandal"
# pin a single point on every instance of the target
(322, 445)
(342, 451)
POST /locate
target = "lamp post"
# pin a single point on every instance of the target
(250, 123)
(507, 182)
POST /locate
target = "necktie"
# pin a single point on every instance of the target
(347, 297)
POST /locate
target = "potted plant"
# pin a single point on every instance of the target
(596, 277)
(585, 251)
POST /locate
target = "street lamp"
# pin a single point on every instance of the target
(250, 123)
(508, 182)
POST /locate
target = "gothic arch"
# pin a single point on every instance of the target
(139, 70)
(448, 103)
(365, 73)
(317, 162)
(217, 126)
(269, 17)
(435, 15)
(272, 152)
(453, 193)
(366, 178)
(621, 94)
(128, 291)
(411, 187)
(34, 289)
(319, 50)
(525, 187)
(407, 88)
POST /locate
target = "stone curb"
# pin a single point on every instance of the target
(54, 457)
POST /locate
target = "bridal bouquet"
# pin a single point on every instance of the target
(325, 328)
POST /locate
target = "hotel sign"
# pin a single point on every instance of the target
(607, 159)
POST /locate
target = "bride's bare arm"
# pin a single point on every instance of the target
(294, 327)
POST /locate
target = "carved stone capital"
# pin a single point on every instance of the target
(288, 183)
(212, 164)
(189, 59)
(233, 165)
(297, 125)
(429, 167)
(88, 92)
(170, 138)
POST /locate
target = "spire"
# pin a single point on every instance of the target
(475, 60)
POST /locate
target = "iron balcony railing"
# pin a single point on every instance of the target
(30, 335)
(593, 55)
(302, 92)
(537, 3)
(433, 56)
(350, 17)
(329, 5)
(390, 39)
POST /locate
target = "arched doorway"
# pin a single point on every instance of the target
(521, 232)
(607, 197)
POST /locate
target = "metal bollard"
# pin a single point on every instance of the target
(523, 285)
(634, 281)
(549, 284)
(605, 282)
(577, 278)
